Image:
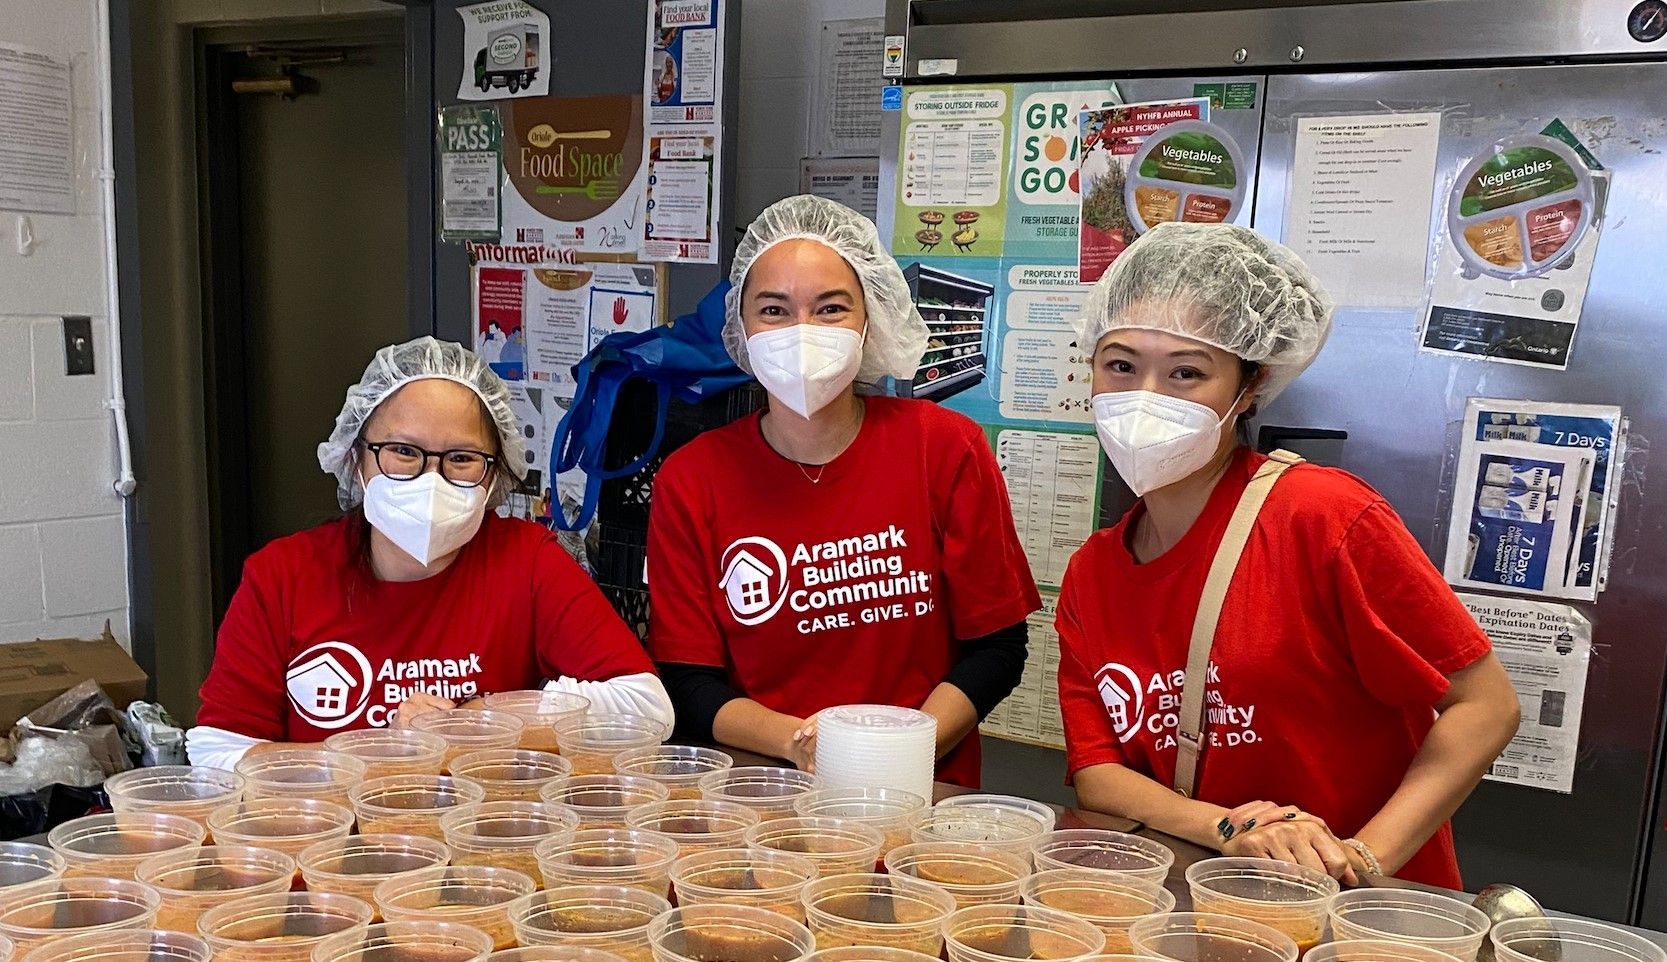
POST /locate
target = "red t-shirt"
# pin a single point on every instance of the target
(853, 589)
(1335, 642)
(313, 644)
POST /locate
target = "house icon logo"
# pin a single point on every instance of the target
(753, 577)
(329, 684)
(1124, 698)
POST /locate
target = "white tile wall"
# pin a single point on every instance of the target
(779, 45)
(63, 561)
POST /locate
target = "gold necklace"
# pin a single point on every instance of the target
(815, 480)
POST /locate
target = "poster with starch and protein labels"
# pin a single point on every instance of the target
(683, 142)
(1110, 139)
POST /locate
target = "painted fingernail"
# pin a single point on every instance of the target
(1224, 826)
(1290, 816)
(1249, 825)
(1228, 832)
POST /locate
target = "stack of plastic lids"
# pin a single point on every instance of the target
(876, 746)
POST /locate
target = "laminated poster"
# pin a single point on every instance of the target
(1044, 203)
(470, 154)
(1111, 138)
(1533, 506)
(1031, 713)
(535, 323)
(951, 172)
(1523, 220)
(1188, 171)
(1546, 649)
(682, 84)
(504, 44)
(573, 174)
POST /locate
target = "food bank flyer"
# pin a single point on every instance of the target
(951, 171)
(1110, 140)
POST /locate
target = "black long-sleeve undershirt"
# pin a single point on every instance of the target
(988, 669)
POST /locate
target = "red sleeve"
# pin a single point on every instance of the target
(987, 580)
(244, 691)
(682, 619)
(1406, 629)
(1089, 739)
(578, 633)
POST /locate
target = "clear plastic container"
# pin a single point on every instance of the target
(407, 942)
(871, 909)
(540, 712)
(597, 916)
(592, 741)
(357, 865)
(678, 767)
(884, 809)
(468, 895)
(468, 730)
(1010, 933)
(838, 847)
(604, 801)
(727, 933)
(138, 945)
(972, 874)
(867, 953)
(770, 792)
(115, 843)
(1289, 897)
(553, 953)
(512, 774)
(22, 863)
(607, 856)
(1570, 940)
(1041, 811)
(184, 790)
(1201, 937)
(301, 773)
(732, 876)
(281, 928)
(1423, 918)
(285, 825)
(391, 751)
(33, 915)
(192, 881)
(411, 804)
(1375, 950)
(696, 826)
(505, 834)
(1113, 903)
(1105, 851)
(1005, 829)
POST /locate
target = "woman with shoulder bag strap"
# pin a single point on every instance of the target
(1259, 657)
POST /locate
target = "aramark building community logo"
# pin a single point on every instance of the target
(834, 584)
(330, 684)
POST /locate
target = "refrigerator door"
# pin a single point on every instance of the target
(1584, 852)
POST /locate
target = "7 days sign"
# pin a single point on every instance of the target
(1043, 218)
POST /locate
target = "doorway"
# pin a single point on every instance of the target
(304, 212)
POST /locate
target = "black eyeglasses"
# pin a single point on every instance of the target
(402, 462)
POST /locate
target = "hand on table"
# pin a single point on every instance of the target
(1292, 835)
(801, 748)
(417, 704)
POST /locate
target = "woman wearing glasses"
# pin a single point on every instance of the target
(419, 597)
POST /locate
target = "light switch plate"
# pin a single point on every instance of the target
(78, 345)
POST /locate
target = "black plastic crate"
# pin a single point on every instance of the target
(621, 551)
(632, 606)
(624, 501)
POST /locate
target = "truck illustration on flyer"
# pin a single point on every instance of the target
(505, 51)
(509, 59)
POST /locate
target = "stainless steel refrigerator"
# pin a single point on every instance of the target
(1491, 68)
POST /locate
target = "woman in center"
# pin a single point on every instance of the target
(840, 547)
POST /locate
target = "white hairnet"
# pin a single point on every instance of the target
(397, 365)
(896, 333)
(1221, 284)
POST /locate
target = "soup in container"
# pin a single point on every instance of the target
(1200, 937)
(1570, 940)
(769, 791)
(185, 790)
(511, 774)
(1288, 897)
(468, 730)
(760, 878)
(592, 916)
(592, 741)
(285, 825)
(192, 881)
(411, 804)
(678, 767)
(884, 809)
(24, 862)
(727, 933)
(45, 912)
(358, 864)
(391, 751)
(608, 856)
(137, 945)
(1105, 851)
(696, 825)
(836, 846)
(1042, 812)
(1438, 922)
(472, 895)
(604, 801)
(1005, 829)
(1013, 933)
(301, 773)
(1375, 950)
(972, 874)
(541, 712)
(407, 942)
(1111, 903)
(505, 834)
(870, 909)
(280, 928)
(114, 844)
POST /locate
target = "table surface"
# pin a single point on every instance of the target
(1186, 853)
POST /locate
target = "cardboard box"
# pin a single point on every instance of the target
(33, 673)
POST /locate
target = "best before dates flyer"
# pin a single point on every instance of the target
(1533, 507)
(1546, 649)
(683, 84)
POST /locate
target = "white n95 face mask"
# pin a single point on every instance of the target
(1154, 440)
(805, 366)
(428, 517)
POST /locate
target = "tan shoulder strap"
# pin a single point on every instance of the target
(1190, 737)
